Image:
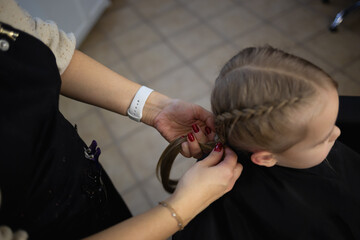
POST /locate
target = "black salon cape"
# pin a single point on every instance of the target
(49, 188)
(322, 202)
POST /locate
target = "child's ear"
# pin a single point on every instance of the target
(264, 158)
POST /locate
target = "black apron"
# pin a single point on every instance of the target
(50, 187)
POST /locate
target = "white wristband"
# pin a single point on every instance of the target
(136, 107)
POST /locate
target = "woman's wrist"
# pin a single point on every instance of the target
(153, 106)
(184, 207)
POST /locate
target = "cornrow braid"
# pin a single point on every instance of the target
(222, 120)
(257, 111)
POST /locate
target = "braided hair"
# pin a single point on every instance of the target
(258, 101)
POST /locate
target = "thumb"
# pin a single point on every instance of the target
(214, 157)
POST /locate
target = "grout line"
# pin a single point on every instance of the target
(124, 59)
(168, 44)
(153, 15)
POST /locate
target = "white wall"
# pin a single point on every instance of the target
(77, 16)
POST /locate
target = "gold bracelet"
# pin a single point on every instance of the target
(174, 214)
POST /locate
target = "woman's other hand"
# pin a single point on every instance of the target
(205, 182)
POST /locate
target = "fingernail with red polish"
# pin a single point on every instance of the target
(195, 128)
(218, 147)
(207, 130)
(191, 137)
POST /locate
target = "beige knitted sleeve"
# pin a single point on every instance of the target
(60, 43)
(7, 234)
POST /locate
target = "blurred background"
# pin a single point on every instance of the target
(177, 48)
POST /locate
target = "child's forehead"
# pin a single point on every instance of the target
(324, 114)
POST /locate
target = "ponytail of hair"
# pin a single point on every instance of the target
(167, 159)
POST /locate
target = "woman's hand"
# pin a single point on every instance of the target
(205, 182)
(175, 118)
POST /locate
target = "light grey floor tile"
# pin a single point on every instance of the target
(330, 9)
(155, 191)
(264, 34)
(301, 23)
(119, 125)
(347, 87)
(174, 20)
(210, 64)
(153, 8)
(204, 101)
(103, 53)
(154, 61)
(181, 165)
(309, 56)
(117, 4)
(267, 9)
(208, 8)
(142, 150)
(136, 201)
(119, 21)
(235, 21)
(136, 39)
(195, 41)
(94, 37)
(116, 168)
(92, 127)
(124, 70)
(331, 47)
(353, 70)
(181, 83)
(73, 110)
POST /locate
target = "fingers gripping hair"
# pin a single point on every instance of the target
(167, 158)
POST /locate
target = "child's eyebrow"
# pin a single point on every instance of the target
(327, 136)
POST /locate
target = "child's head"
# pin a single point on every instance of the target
(277, 106)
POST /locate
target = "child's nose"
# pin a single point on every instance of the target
(336, 133)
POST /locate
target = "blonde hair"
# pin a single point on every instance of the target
(258, 100)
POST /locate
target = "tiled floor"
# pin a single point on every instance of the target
(177, 47)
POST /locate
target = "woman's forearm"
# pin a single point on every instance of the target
(155, 224)
(91, 82)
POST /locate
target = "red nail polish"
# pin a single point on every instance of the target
(207, 130)
(218, 147)
(191, 137)
(195, 128)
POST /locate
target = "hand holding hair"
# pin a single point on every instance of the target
(177, 118)
(196, 141)
(205, 182)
